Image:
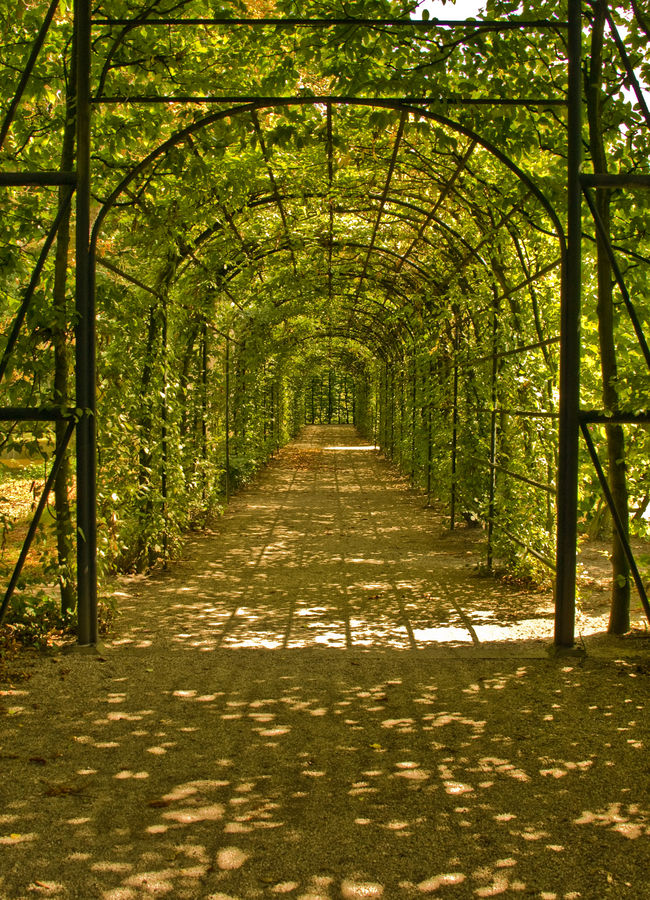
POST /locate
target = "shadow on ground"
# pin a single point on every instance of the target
(310, 706)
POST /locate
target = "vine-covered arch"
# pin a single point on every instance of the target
(293, 262)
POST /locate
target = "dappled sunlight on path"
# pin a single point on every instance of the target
(321, 774)
(330, 548)
(278, 716)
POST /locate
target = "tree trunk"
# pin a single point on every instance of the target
(619, 621)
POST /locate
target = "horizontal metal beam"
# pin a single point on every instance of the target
(416, 24)
(615, 181)
(264, 101)
(528, 413)
(40, 179)
(505, 353)
(111, 267)
(531, 481)
(538, 556)
(32, 414)
(601, 417)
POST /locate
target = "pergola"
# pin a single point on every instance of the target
(346, 259)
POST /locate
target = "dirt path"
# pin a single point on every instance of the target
(312, 705)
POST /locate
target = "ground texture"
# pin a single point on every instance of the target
(322, 700)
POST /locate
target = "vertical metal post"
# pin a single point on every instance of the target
(204, 408)
(85, 349)
(493, 437)
(567, 480)
(392, 414)
(414, 397)
(454, 437)
(227, 418)
(383, 421)
(164, 444)
(375, 430)
(429, 401)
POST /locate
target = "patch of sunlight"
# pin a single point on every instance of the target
(285, 887)
(331, 638)
(195, 814)
(107, 866)
(254, 643)
(441, 635)
(457, 788)
(622, 822)
(360, 890)
(15, 838)
(229, 858)
(364, 448)
(438, 881)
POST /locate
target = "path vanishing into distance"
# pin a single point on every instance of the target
(322, 700)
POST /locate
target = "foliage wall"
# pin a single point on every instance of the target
(341, 256)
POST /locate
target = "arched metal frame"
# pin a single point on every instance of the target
(571, 419)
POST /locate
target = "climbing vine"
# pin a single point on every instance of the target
(341, 257)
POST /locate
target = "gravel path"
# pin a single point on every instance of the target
(320, 701)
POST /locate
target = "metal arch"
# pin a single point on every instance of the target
(431, 215)
(86, 250)
(378, 103)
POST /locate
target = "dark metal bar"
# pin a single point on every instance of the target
(529, 413)
(600, 417)
(417, 24)
(620, 280)
(382, 202)
(430, 216)
(454, 440)
(493, 437)
(111, 267)
(164, 417)
(204, 409)
(414, 397)
(330, 204)
(276, 191)
(27, 70)
(629, 68)
(227, 416)
(85, 349)
(523, 478)
(31, 414)
(38, 512)
(265, 101)
(504, 353)
(539, 556)
(33, 284)
(618, 523)
(531, 279)
(615, 181)
(567, 477)
(38, 179)
(428, 407)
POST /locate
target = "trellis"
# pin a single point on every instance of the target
(81, 420)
